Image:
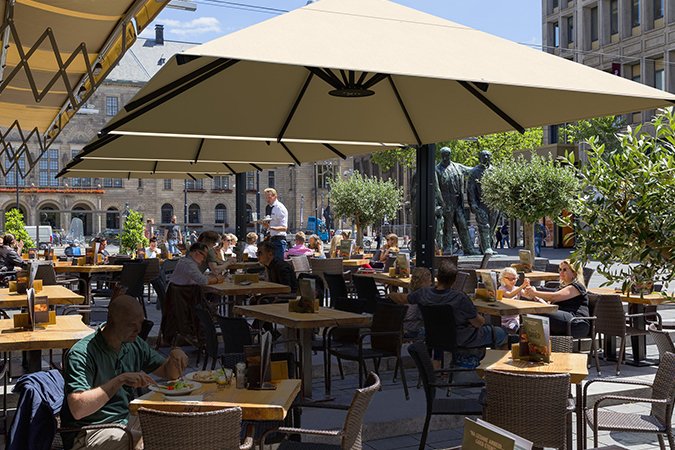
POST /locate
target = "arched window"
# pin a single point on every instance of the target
(49, 216)
(167, 213)
(221, 213)
(112, 218)
(194, 214)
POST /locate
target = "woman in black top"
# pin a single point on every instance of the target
(571, 299)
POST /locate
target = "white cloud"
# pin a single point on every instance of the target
(191, 28)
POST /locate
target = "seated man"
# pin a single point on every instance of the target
(299, 248)
(212, 239)
(102, 372)
(9, 258)
(102, 244)
(471, 329)
(278, 271)
(190, 270)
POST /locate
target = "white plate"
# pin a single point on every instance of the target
(192, 386)
(204, 376)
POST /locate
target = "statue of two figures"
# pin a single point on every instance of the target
(451, 180)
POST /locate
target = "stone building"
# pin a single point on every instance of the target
(101, 202)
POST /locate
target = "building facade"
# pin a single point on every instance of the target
(634, 39)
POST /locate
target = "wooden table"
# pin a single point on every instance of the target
(355, 262)
(255, 405)
(244, 265)
(326, 317)
(511, 307)
(390, 281)
(636, 305)
(535, 276)
(85, 272)
(66, 332)
(58, 295)
(572, 363)
(261, 287)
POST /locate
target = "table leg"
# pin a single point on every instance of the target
(581, 423)
(306, 344)
(639, 343)
(34, 361)
(609, 345)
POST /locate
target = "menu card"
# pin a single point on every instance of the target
(526, 260)
(482, 435)
(402, 265)
(490, 281)
(258, 371)
(346, 248)
(535, 338)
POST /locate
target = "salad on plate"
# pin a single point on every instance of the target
(175, 387)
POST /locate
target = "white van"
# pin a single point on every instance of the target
(45, 234)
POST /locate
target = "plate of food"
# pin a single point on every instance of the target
(208, 376)
(175, 387)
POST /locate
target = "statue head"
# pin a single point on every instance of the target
(484, 157)
(445, 155)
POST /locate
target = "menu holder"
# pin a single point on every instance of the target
(307, 303)
(49, 254)
(32, 253)
(402, 265)
(238, 278)
(490, 281)
(258, 366)
(535, 339)
(346, 248)
(482, 435)
(37, 312)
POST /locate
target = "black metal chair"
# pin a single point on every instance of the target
(430, 381)
(236, 333)
(366, 289)
(337, 286)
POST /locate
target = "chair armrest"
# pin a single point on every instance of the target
(288, 430)
(626, 399)
(321, 405)
(615, 381)
(378, 333)
(458, 385)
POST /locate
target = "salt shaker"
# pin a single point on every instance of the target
(241, 375)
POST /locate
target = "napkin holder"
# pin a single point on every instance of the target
(303, 306)
(22, 320)
(80, 261)
(237, 278)
(484, 294)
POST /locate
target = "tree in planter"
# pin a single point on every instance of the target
(133, 234)
(530, 190)
(366, 200)
(627, 206)
(15, 225)
(603, 130)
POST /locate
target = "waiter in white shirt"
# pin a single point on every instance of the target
(279, 223)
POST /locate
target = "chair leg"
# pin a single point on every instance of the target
(662, 444)
(622, 350)
(362, 369)
(595, 435)
(594, 350)
(671, 440)
(425, 431)
(399, 363)
(395, 370)
(327, 373)
(342, 371)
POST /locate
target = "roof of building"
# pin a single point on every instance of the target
(145, 58)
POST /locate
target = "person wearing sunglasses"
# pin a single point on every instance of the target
(571, 298)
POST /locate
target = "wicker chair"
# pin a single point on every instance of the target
(350, 434)
(662, 340)
(659, 421)
(510, 404)
(611, 321)
(212, 430)
(562, 344)
(441, 406)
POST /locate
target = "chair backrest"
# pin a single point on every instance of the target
(439, 327)
(47, 274)
(151, 270)
(131, 277)
(454, 259)
(662, 340)
(388, 317)
(178, 312)
(484, 262)
(460, 281)
(588, 273)
(320, 266)
(146, 327)
(664, 388)
(389, 262)
(300, 264)
(319, 289)
(611, 318)
(210, 430)
(236, 333)
(562, 344)
(208, 329)
(420, 354)
(337, 286)
(118, 259)
(353, 426)
(167, 268)
(510, 404)
(365, 287)
(552, 268)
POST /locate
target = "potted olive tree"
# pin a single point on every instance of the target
(627, 206)
(133, 235)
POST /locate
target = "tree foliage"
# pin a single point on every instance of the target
(15, 225)
(365, 200)
(133, 234)
(604, 130)
(627, 208)
(530, 189)
(387, 159)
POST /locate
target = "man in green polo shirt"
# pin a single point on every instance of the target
(102, 373)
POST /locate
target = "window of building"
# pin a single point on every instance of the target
(221, 213)
(556, 35)
(49, 167)
(111, 106)
(570, 29)
(635, 72)
(658, 9)
(594, 24)
(195, 185)
(553, 134)
(271, 179)
(222, 182)
(554, 4)
(112, 218)
(112, 183)
(635, 13)
(79, 182)
(167, 185)
(249, 213)
(10, 179)
(167, 212)
(659, 74)
(324, 173)
(194, 214)
(613, 16)
(250, 181)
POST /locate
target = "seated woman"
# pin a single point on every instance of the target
(571, 298)
(251, 248)
(335, 242)
(299, 248)
(316, 245)
(390, 248)
(211, 240)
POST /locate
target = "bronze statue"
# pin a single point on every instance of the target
(451, 183)
(485, 217)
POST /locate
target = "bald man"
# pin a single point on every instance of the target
(102, 372)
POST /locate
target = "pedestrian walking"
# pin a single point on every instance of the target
(498, 236)
(506, 243)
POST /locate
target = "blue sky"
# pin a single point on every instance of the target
(517, 20)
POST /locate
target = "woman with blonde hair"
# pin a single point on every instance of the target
(390, 248)
(571, 298)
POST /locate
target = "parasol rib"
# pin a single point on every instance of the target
(295, 107)
(334, 150)
(234, 172)
(405, 110)
(518, 127)
(199, 149)
(288, 150)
